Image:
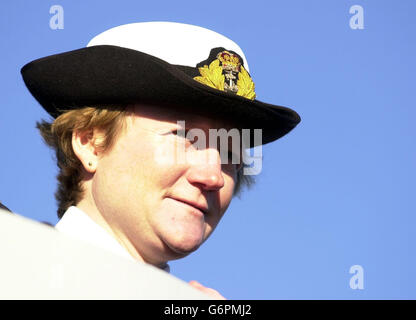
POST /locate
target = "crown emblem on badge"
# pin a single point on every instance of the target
(229, 61)
(226, 73)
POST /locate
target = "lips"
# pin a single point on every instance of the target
(202, 208)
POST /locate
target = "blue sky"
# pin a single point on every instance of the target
(336, 192)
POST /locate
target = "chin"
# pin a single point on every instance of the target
(183, 248)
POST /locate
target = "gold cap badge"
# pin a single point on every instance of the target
(226, 73)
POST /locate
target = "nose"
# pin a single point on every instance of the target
(207, 174)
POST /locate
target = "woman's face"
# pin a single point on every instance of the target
(157, 190)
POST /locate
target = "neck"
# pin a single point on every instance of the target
(88, 206)
(91, 210)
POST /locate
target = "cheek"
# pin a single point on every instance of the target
(224, 199)
(131, 175)
(112, 186)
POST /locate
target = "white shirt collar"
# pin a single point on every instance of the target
(78, 224)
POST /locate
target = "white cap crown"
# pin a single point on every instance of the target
(176, 43)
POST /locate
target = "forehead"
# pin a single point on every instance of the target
(161, 116)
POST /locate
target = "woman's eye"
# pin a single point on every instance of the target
(182, 135)
(178, 133)
(175, 132)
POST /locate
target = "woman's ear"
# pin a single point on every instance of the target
(83, 144)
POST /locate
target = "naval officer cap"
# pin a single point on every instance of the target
(158, 63)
